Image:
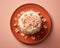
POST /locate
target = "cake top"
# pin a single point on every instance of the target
(30, 22)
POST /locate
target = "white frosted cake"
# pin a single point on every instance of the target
(30, 22)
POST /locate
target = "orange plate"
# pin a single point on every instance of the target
(25, 7)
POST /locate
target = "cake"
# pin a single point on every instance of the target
(30, 22)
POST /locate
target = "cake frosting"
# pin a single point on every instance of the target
(30, 22)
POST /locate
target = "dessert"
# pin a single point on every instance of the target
(30, 22)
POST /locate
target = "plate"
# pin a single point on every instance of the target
(46, 26)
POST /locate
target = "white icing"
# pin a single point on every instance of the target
(26, 37)
(14, 24)
(22, 34)
(45, 26)
(43, 19)
(33, 37)
(16, 30)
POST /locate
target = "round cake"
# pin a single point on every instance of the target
(30, 22)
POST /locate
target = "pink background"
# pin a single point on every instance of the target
(7, 7)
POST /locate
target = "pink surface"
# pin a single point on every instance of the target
(7, 40)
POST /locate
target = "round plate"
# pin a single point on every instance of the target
(37, 8)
